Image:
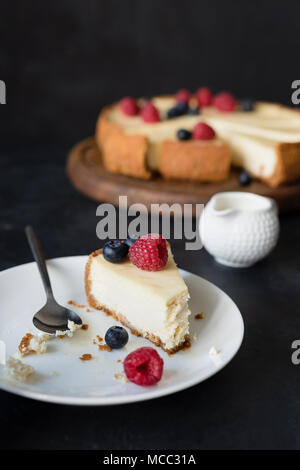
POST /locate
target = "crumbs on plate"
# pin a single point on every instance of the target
(71, 302)
(18, 370)
(86, 357)
(24, 344)
(121, 376)
(213, 352)
(33, 344)
(101, 347)
(199, 316)
(104, 347)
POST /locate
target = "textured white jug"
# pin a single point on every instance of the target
(239, 228)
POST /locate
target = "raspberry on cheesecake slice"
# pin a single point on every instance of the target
(141, 287)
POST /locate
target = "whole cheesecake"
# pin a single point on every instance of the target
(264, 141)
(153, 304)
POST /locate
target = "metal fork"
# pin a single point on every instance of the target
(52, 316)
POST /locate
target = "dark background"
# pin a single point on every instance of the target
(62, 61)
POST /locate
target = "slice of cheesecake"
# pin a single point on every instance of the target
(153, 304)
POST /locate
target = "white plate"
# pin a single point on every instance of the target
(93, 382)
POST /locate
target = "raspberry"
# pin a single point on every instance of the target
(224, 101)
(204, 96)
(149, 252)
(129, 106)
(150, 113)
(203, 132)
(182, 95)
(144, 366)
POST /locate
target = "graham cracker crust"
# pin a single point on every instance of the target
(95, 304)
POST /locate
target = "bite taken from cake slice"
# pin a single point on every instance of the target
(140, 286)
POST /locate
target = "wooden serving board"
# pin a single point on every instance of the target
(88, 175)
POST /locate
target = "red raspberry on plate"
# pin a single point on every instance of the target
(129, 106)
(150, 113)
(203, 132)
(224, 102)
(144, 366)
(149, 252)
(183, 95)
(204, 96)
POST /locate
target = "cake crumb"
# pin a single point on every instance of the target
(88, 310)
(71, 302)
(33, 344)
(18, 370)
(101, 347)
(199, 316)
(85, 327)
(45, 336)
(86, 357)
(119, 360)
(24, 344)
(215, 356)
(72, 327)
(104, 347)
(121, 376)
(213, 352)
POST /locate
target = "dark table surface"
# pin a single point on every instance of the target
(253, 403)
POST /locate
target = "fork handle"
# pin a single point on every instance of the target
(37, 251)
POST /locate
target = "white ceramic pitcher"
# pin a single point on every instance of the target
(239, 228)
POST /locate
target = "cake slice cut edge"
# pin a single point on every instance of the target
(159, 315)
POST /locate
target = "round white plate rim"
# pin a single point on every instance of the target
(118, 400)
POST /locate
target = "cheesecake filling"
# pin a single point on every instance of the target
(258, 156)
(176, 326)
(148, 311)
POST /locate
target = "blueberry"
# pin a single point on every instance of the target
(173, 112)
(244, 178)
(194, 111)
(183, 134)
(116, 337)
(247, 105)
(115, 251)
(131, 240)
(182, 107)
